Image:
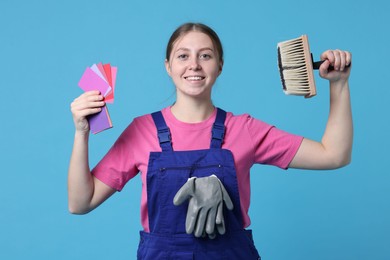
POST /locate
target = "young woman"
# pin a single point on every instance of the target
(193, 138)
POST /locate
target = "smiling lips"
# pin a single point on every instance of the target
(194, 78)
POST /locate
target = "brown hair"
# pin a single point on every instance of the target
(197, 27)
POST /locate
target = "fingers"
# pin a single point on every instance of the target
(200, 224)
(191, 218)
(86, 104)
(339, 59)
(211, 220)
(221, 227)
(212, 235)
(226, 197)
(219, 220)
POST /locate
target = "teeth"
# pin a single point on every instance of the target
(195, 78)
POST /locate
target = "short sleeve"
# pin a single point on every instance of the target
(271, 145)
(118, 166)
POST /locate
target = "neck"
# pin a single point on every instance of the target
(192, 111)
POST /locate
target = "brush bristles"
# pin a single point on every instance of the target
(296, 68)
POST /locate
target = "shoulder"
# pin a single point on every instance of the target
(245, 120)
(139, 128)
(144, 122)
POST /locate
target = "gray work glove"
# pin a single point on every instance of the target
(205, 208)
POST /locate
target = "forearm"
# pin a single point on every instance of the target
(80, 180)
(334, 150)
(338, 135)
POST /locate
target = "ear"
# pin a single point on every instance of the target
(168, 67)
(220, 67)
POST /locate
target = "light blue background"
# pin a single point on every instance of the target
(46, 45)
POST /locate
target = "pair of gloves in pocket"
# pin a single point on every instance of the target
(206, 196)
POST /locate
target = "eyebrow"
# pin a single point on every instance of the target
(202, 49)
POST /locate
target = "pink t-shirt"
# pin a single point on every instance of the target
(250, 140)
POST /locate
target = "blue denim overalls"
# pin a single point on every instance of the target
(167, 172)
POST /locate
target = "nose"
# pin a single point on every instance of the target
(195, 65)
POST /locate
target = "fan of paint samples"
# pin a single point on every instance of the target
(100, 77)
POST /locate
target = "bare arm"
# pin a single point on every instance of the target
(335, 148)
(85, 192)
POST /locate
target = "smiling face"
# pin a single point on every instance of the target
(194, 65)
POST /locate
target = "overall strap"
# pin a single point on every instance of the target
(163, 133)
(218, 131)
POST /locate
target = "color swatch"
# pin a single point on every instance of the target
(100, 77)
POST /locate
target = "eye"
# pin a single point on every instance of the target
(205, 56)
(182, 56)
